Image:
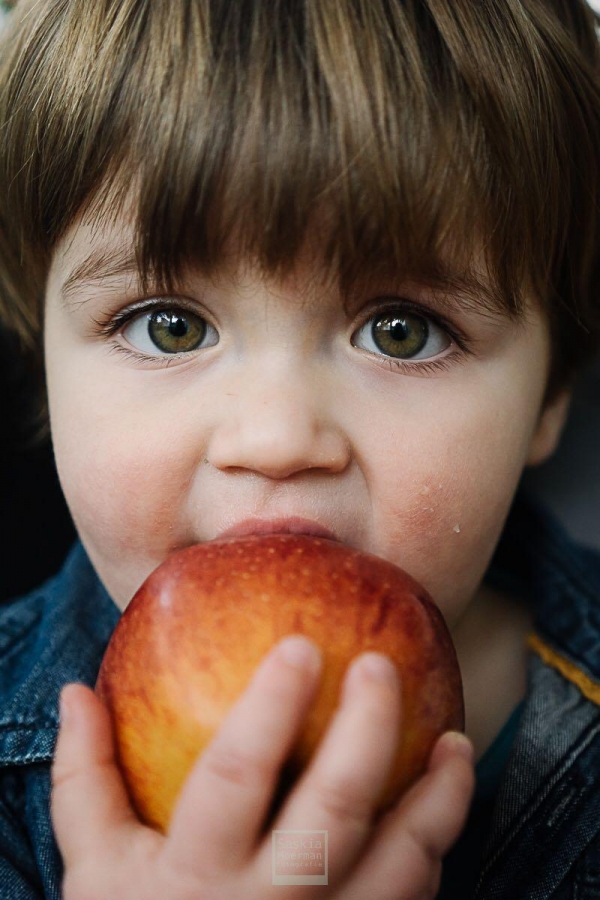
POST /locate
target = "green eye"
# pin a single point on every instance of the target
(169, 331)
(174, 331)
(401, 336)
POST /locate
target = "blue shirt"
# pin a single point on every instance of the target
(542, 839)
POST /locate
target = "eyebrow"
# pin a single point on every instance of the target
(453, 291)
(468, 292)
(98, 266)
(450, 290)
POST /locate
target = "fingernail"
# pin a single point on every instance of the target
(377, 667)
(299, 652)
(457, 742)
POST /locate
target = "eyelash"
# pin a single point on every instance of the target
(109, 326)
(422, 367)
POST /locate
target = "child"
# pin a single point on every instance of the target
(328, 267)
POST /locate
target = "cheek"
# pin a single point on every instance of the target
(121, 495)
(443, 517)
(125, 481)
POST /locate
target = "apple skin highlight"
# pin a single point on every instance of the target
(189, 641)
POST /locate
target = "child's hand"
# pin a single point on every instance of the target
(214, 849)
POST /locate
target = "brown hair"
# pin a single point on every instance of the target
(416, 127)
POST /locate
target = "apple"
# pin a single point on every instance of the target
(188, 642)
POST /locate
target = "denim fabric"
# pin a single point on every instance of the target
(544, 838)
(55, 635)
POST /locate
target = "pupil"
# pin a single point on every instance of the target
(398, 330)
(177, 326)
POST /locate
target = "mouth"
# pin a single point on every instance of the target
(293, 525)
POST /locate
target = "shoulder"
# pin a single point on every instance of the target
(51, 636)
(560, 578)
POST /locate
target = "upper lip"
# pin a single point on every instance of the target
(291, 525)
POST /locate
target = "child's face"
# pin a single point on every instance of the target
(288, 408)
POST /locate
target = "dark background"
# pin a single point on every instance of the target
(569, 482)
(38, 531)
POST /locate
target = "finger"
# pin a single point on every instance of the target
(89, 802)
(339, 790)
(219, 815)
(405, 853)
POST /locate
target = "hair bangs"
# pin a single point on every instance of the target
(255, 128)
(417, 139)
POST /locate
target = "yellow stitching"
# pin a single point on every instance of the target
(589, 688)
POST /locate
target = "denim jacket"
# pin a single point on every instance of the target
(544, 837)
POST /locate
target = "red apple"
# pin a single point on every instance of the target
(194, 633)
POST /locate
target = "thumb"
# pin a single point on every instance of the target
(90, 806)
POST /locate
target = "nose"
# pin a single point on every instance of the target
(277, 426)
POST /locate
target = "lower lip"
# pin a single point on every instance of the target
(290, 526)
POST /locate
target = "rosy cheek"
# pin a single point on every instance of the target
(445, 523)
(425, 542)
(427, 519)
(124, 503)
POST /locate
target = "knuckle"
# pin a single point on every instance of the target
(343, 801)
(237, 767)
(62, 775)
(426, 847)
